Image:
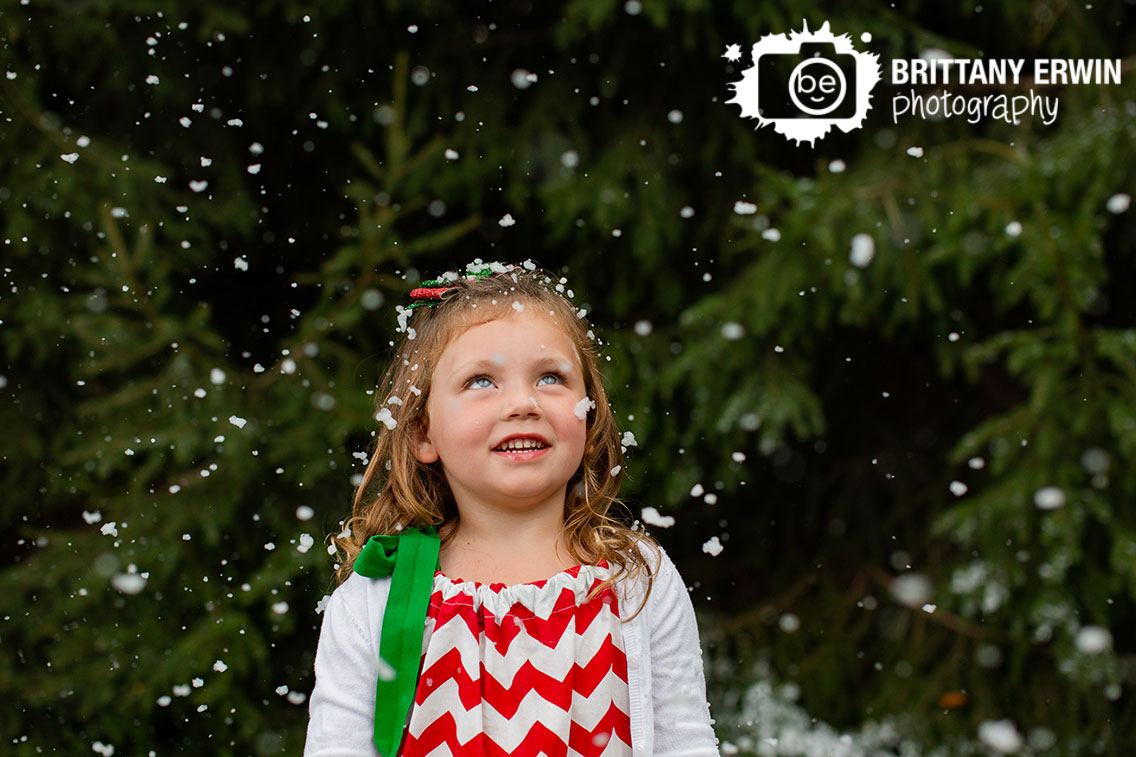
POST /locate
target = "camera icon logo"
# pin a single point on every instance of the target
(805, 83)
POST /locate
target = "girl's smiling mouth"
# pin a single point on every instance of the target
(522, 447)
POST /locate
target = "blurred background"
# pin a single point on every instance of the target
(892, 376)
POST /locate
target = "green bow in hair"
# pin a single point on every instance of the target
(410, 558)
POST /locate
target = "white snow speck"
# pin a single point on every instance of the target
(628, 440)
(1118, 203)
(958, 488)
(322, 604)
(198, 682)
(303, 512)
(732, 331)
(686, 212)
(384, 417)
(237, 421)
(280, 608)
(164, 700)
(1093, 640)
(519, 307)
(386, 672)
(738, 457)
(241, 263)
(696, 490)
(863, 250)
(198, 185)
(1014, 229)
(254, 168)
(296, 697)
(976, 463)
(836, 166)
(930, 608)
(771, 235)
(220, 666)
(522, 79)
(507, 220)
(911, 589)
(1000, 735)
(282, 690)
(106, 750)
(1049, 498)
(743, 208)
(217, 376)
(128, 583)
(181, 690)
(288, 366)
(109, 529)
(70, 157)
(652, 517)
(582, 407)
(710, 499)
(615, 471)
(712, 547)
(92, 517)
(306, 542)
(152, 79)
(915, 152)
(206, 162)
(789, 622)
(452, 154)
(643, 328)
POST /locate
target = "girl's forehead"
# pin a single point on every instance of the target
(509, 337)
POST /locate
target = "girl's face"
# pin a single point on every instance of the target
(505, 415)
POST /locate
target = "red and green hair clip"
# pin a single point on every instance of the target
(430, 292)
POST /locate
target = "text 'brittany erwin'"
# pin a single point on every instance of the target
(1004, 71)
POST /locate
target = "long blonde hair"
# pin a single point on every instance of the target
(398, 491)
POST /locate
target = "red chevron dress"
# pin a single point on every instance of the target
(531, 669)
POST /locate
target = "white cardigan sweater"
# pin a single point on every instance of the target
(669, 713)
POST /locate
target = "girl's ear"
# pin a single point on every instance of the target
(424, 448)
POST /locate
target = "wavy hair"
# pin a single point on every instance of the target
(398, 491)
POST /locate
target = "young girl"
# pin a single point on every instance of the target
(488, 602)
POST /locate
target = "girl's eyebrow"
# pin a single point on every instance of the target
(544, 361)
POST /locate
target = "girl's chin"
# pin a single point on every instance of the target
(531, 494)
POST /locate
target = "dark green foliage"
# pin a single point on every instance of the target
(195, 363)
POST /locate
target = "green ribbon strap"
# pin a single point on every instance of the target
(410, 558)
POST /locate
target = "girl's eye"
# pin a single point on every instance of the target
(480, 382)
(556, 379)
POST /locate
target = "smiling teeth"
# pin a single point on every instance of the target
(517, 445)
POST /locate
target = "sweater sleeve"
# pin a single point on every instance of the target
(678, 686)
(342, 708)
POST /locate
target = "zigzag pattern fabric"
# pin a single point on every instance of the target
(531, 669)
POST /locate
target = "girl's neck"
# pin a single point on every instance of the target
(489, 548)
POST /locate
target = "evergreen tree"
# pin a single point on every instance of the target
(899, 392)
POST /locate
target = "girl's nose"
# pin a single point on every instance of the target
(522, 403)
